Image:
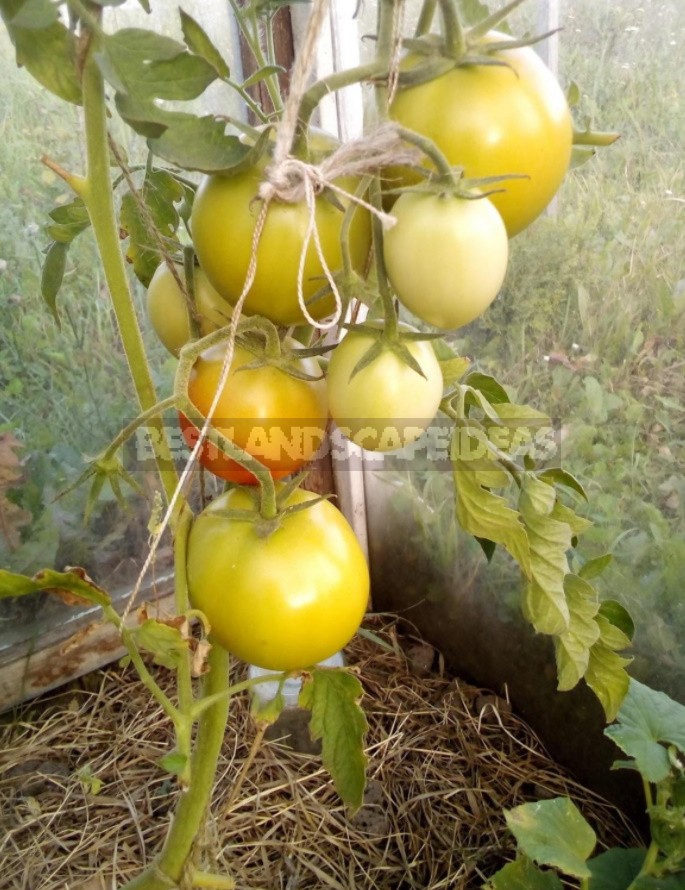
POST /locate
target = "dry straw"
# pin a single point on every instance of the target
(444, 759)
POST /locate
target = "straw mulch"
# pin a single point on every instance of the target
(84, 805)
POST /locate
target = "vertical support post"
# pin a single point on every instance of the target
(548, 50)
(548, 20)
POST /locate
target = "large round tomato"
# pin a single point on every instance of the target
(446, 257)
(223, 222)
(277, 418)
(387, 404)
(494, 120)
(285, 601)
(168, 310)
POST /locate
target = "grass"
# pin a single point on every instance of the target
(65, 387)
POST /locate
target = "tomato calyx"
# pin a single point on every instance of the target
(267, 525)
(387, 340)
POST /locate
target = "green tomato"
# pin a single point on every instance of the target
(283, 602)
(387, 404)
(167, 307)
(446, 256)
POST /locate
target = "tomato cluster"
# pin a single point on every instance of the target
(291, 595)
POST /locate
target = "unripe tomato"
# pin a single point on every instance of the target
(285, 601)
(279, 419)
(446, 257)
(494, 120)
(223, 222)
(387, 404)
(168, 310)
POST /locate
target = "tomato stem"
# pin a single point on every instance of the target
(146, 677)
(431, 150)
(336, 81)
(454, 34)
(426, 16)
(169, 867)
(248, 22)
(391, 323)
(97, 194)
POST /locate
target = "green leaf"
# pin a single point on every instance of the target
(606, 676)
(53, 274)
(261, 74)
(581, 154)
(165, 642)
(190, 142)
(493, 391)
(454, 368)
(69, 220)
(160, 193)
(537, 496)
(672, 882)
(544, 602)
(35, 14)
(616, 869)
(667, 824)
(553, 832)
(523, 874)
(487, 515)
(573, 94)
(198, 42)
(270, 710)
(174, 763)
(647, 721)
(573, 646)
(558, 476)
(50, 57)
(594, 567)
(577, 524)
(332, 695)
(620, 618)
(74, 583)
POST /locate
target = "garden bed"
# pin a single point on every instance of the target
(85, 805)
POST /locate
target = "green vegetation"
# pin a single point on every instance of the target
(590, 327)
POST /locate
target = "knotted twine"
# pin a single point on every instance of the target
(291, 180)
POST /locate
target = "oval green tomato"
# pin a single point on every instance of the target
(446, 256)
(285, 601)
(495, 120)
(223, 221)
(168, 310)
(387, 404)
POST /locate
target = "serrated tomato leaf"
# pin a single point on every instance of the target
(332, 695)
(68, 221)
(553, 832)
(52, 275)
(198, 41)
(574, 645)
(73, 586)
(48, 53)
(484, 514)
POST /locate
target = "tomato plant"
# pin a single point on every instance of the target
(387, 404)
(275, 416)
(282, 601)
(446, 257)
(506, 117)
(223, 223)
(167, 307)
(278, 573)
